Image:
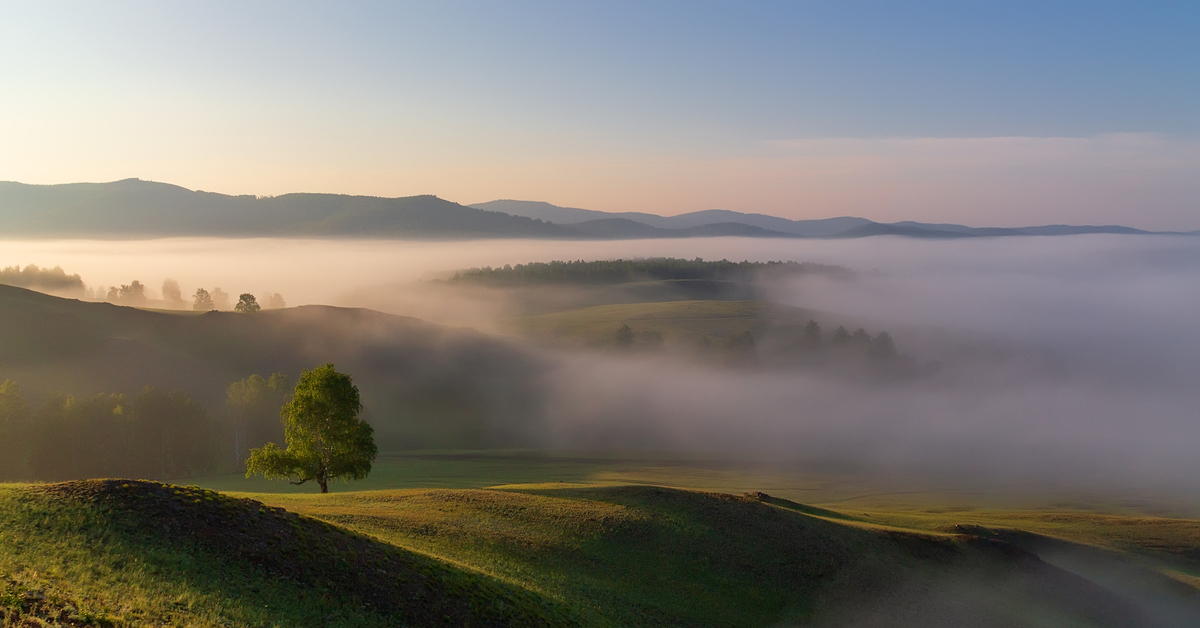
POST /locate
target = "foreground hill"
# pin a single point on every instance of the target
(653, 556)
(120, 552)
(131, 553)
(423, 385)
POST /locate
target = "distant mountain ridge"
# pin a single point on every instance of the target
(837, 227)
(136, 208)
(133, 207)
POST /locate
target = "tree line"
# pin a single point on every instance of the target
(811, 345)
(155, 434)
(623, 270)
(53, 280)
(57, 281)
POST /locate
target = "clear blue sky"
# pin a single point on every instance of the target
(1001, 113)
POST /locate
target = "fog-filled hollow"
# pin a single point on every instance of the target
(1072, 360)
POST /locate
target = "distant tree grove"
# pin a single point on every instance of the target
(155, 434)
(623, 270)
(806, 346)
(57, 281)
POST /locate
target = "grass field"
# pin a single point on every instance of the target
(678, 321)
(124, 553)
(598, 538)
(531, 535)
(129, 553)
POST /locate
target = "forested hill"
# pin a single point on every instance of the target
(135, 208)
(423, 385)
(628, 270)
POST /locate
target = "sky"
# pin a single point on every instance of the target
(989, 114)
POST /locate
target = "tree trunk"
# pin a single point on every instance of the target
(324, 486)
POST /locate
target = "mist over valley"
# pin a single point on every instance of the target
(1030, 359)
(599, 315)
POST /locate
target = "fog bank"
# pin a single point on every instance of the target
(1072, 360)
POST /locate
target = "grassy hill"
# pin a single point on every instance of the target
(424, 385)
(129, 553)
(136, 553)
(649, 556)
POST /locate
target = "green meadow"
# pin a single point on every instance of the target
(592, 539)
(677, 321)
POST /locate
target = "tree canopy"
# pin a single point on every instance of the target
(157, 434)
(623, 270)
(247, 304)
(252, 407)
(202, 301)
(14, 420)
(325, 439)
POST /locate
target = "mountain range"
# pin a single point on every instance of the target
(136, 208)
(838, 227)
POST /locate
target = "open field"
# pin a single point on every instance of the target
(841, 488)
(677, 321)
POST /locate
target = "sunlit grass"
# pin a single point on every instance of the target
(92, 568)
(593, 532)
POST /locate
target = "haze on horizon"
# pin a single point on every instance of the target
(1000, 115)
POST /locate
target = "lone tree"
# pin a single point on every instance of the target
(325, 438)
(624, 336)
(247, 304)
(202, 301)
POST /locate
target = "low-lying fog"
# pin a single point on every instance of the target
(1065, 359)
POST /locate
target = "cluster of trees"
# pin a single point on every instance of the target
(252, 410)
(133, 293)
(167, 435)
(157, 434)
(626, 338)
(622, 270)
(878, 347)
(53, 280)
(57, 281)
(204, 301)
(743, 348)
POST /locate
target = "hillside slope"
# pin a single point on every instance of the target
(132, 553)
(422, 384)
(653, 556)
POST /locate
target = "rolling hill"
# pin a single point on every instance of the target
(424, 385)
(122, 552)
(136, 553)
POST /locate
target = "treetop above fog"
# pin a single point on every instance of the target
(655, 268)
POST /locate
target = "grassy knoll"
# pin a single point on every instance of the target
(1139, 544)
(651, 556)
(139, 553)
(593, 549)
(118, 553)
